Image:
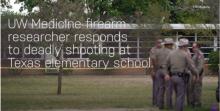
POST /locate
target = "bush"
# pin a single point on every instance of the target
(15, 71)
(214, 61)
(105, 57)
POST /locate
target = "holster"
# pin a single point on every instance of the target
(184, 76)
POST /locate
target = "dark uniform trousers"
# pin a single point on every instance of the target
(189, 90)
(155, 90)
(198, 92)
(164, 87)
(194, 91)
(169, 94)
(179, 86)
(161, 88)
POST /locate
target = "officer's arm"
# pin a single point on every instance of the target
(153, 58)
(200, 63)
(191, 66)
(166, 66)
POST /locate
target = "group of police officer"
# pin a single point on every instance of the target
(175, 70)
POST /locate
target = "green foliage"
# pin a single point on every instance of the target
(157, 13)
(67, 71)
(185, 12)
(30, 4)
(99, 8)
(214, 10)
(13, 71)
(128, 7)
(173, 11)
(10, 15)
(116, 9)
(105, 57)
(4, 4)
(214, 61)
(193, 16)
(132, 10)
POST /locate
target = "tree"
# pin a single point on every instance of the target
(108, 9)
(60, 10)
(181, 11)
(125, 10)
(193, 11)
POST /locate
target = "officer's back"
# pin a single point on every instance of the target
(178, 61)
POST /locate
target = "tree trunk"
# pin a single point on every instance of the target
(60, 74)
(59, 88)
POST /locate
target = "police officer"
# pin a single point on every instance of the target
(189, 86)
(153, 52)
(198, 59)
(161, 58)
(177, 62)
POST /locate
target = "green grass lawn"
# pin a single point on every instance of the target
(86, 92)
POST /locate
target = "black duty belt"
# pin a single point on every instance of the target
(184, 76)
(161, 67)
(180, 74)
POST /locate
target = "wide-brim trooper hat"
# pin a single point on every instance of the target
(159, 41)
(183, 42)
(168, 41)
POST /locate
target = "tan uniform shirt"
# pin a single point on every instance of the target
(153, 53)
(188, 53)
(198, 59)
(161, 56)
(179, 61)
